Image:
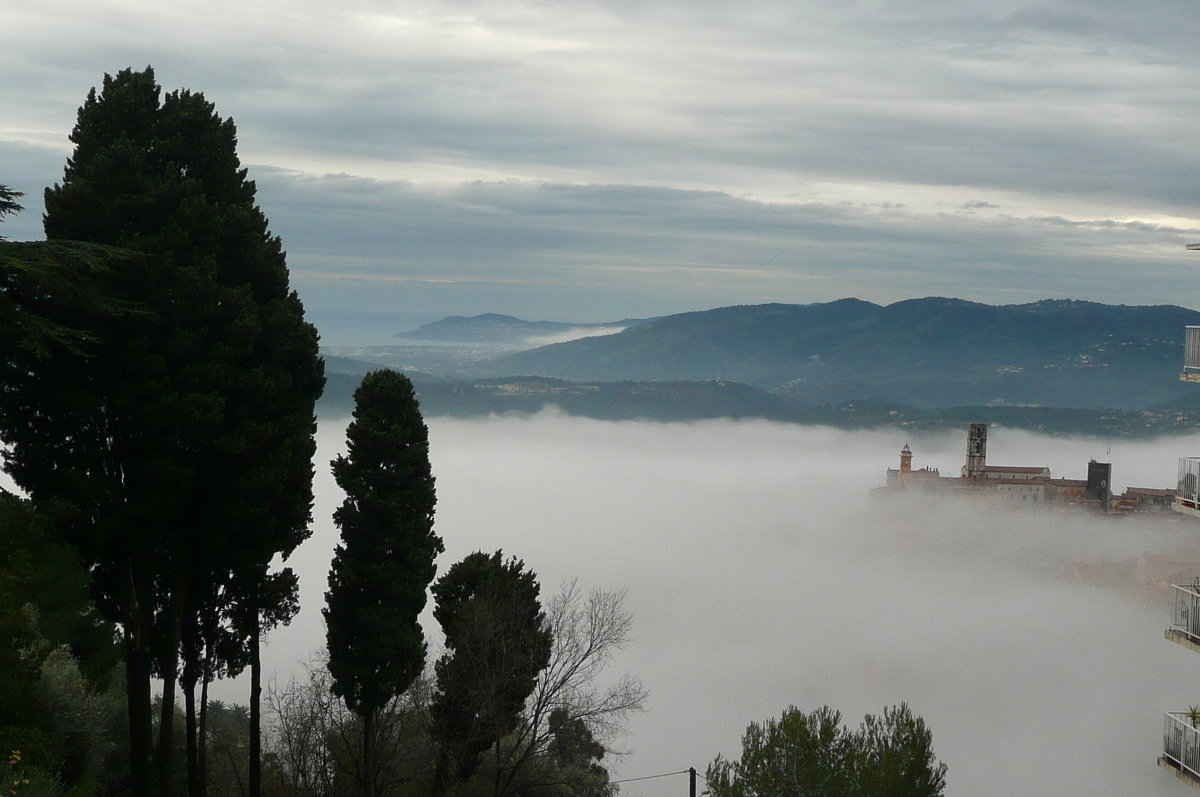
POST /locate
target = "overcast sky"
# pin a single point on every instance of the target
(597, 160)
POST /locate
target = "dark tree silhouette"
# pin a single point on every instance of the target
(182, 441)
(8, 203)
(382, 568)
(814, 755)
(497, 641)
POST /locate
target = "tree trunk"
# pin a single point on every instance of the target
(134, 639)
(166, 730)
(255, 776)
(202, 741)
(188, 684)
(170, 673)
(192, 650)
(369, 753)
(141, 734)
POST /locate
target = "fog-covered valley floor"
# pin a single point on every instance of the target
(761, 573)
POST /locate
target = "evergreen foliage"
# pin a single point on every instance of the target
(8, 203)
(497, 641)
(181, 440)
(382, 569)
(383, 566)
(44, 579)
(58, 704)
(40, 280)
(577, 754)
(814, 755)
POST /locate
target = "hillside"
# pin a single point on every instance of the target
(693, 401)
(931, 352)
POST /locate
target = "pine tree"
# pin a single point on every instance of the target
(497, 641)
(813, 754)
(385, 562)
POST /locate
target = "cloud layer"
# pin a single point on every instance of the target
(598, 160)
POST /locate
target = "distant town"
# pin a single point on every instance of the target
(1030, 485)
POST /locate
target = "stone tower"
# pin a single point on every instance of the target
(976, 450)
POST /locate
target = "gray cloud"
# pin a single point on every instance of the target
(667, 155)
(565, 243)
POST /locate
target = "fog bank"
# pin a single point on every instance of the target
(761, 574)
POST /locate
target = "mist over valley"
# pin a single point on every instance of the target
(658, 276)
(761, 573)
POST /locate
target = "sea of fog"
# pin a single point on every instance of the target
(761, 573)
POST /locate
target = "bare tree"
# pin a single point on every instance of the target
(315, 743)
(303, 716)
(588, 631)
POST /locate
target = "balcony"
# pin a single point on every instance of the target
(1187, 492)
(1191, 356)
(1181, 748)
(1185, 617)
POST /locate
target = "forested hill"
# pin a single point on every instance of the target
(933, 352)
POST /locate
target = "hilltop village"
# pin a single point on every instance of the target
(1146, 576)
(1028, 486)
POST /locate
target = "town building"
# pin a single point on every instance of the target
(1027, 485)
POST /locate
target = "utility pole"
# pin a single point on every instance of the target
(692, 784)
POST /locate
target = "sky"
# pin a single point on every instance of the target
(595, 160)
(760, 574)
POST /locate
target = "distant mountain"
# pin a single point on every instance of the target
(495, 328)
(931, 352)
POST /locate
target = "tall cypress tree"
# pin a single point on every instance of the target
(184, 439)
(385, 562)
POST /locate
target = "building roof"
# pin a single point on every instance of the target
(1014, 469)
(1152, 491)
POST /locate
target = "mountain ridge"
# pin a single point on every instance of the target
(928, 351)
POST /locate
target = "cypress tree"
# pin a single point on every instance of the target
(183, 440)
(385, 562)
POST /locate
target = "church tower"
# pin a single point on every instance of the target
(976, 450)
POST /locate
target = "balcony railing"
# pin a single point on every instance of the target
(1181, 743)
(1187, 488)
(1185, 610)
(1191, 351)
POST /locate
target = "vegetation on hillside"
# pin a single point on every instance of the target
(931, 352)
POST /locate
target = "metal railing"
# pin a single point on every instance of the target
(1185, 610)
(1181, 742)
(1191, 350)
(1187, 489)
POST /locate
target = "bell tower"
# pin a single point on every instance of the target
(976, 450)
(906, 459)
